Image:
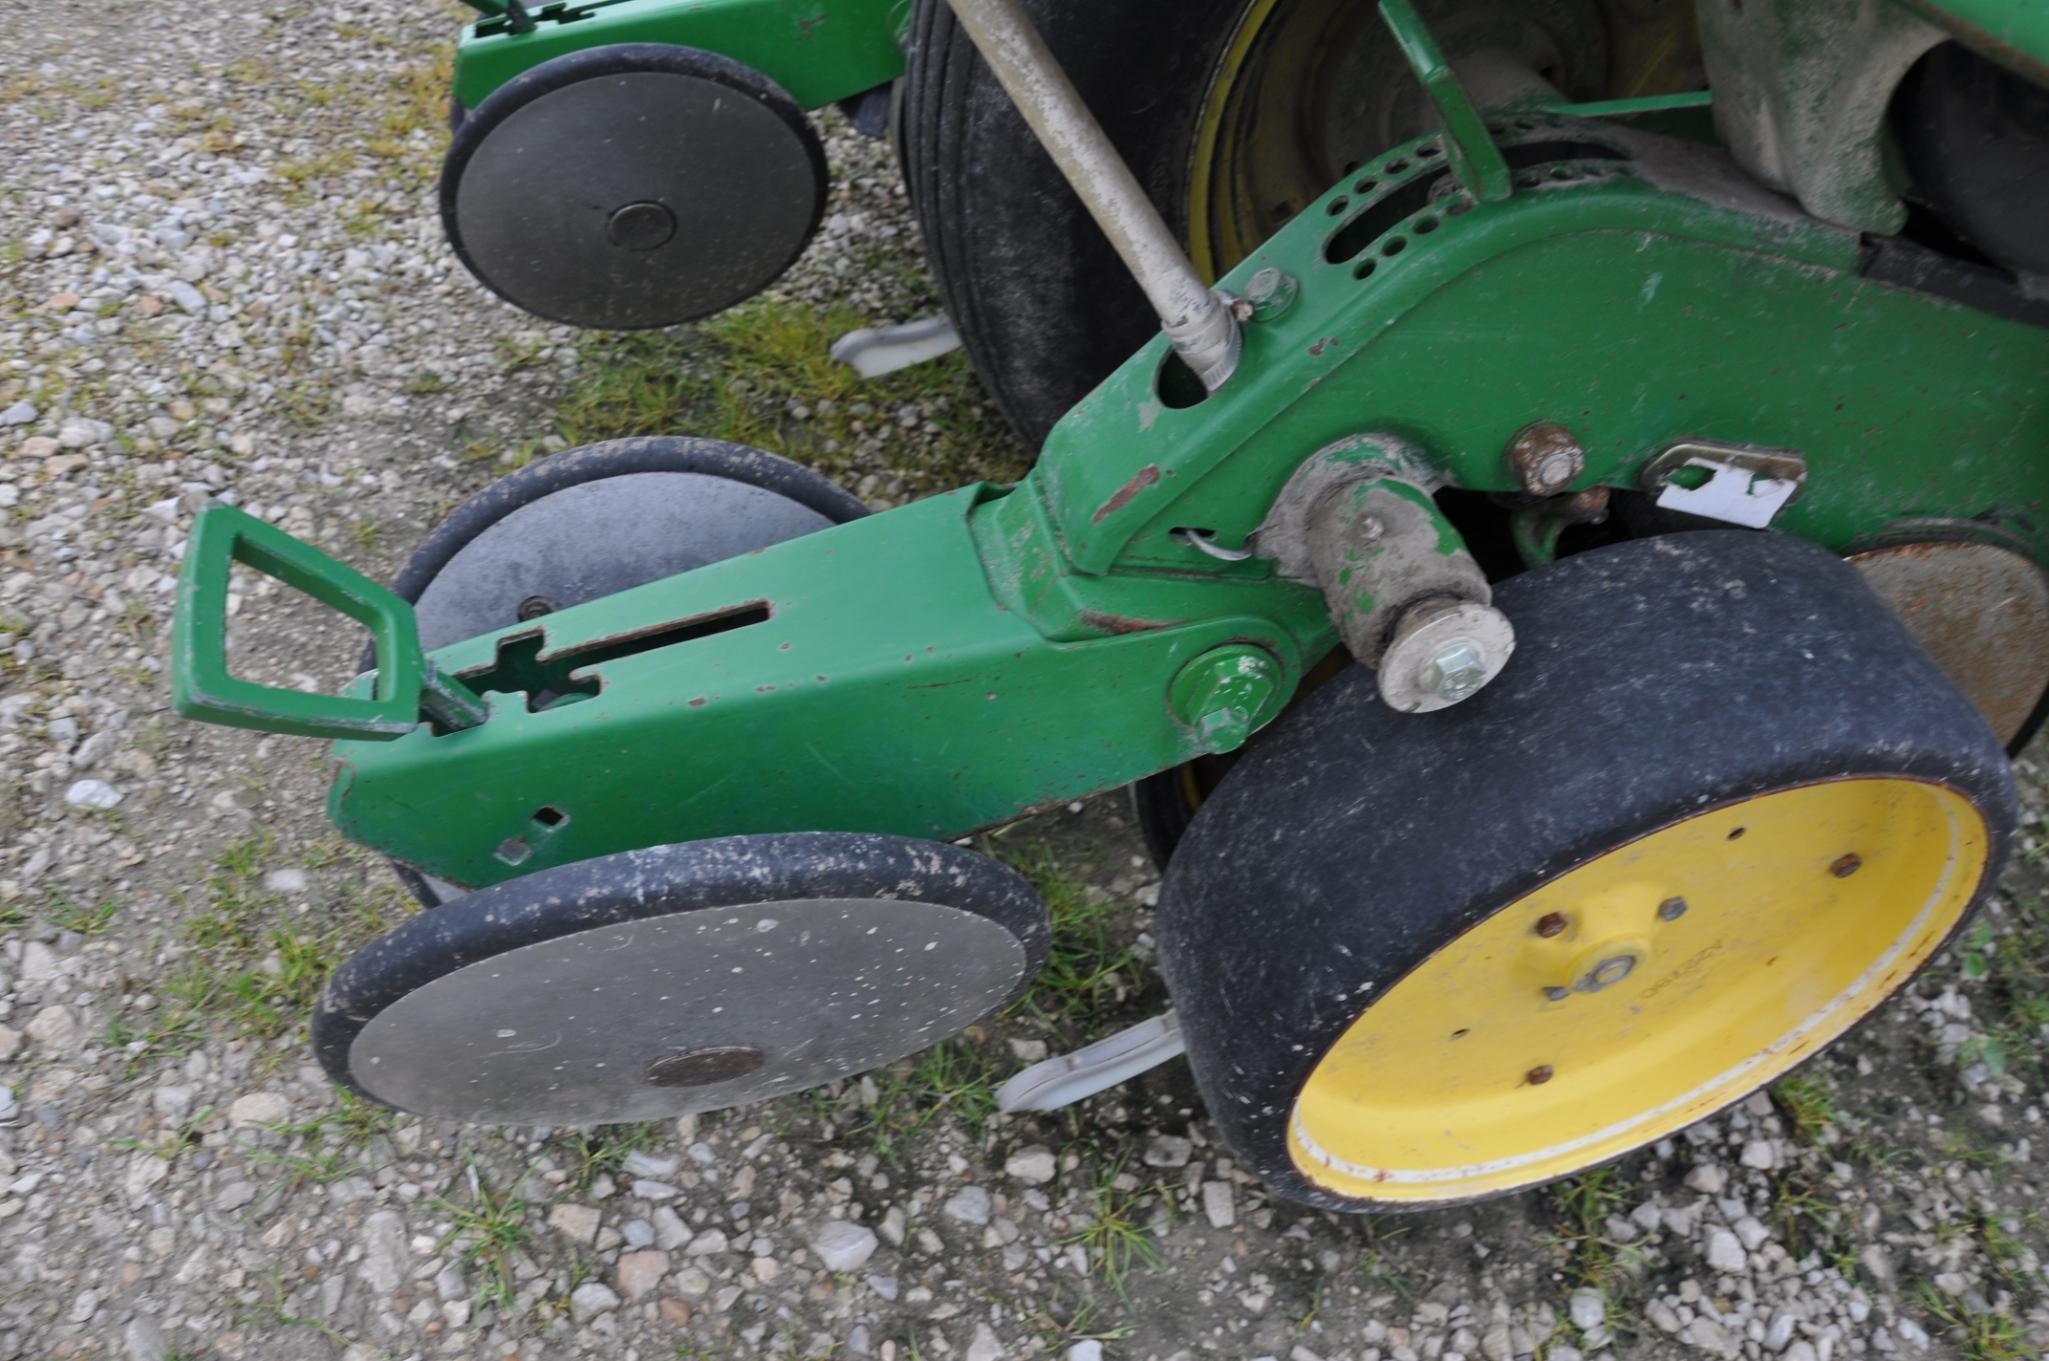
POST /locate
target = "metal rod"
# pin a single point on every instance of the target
(1198, 322)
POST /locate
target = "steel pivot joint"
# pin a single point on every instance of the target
(1358, 523)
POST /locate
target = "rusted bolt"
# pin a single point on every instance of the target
(1672, 909)
(1846, 865)
(534, 606)
(1538, 1075)
(1545, 458)
(1551, 923)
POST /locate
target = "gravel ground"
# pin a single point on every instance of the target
(220, 275)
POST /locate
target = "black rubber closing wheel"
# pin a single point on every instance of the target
(682, 978)
(594, 521)
(1719, 808)
(634, 185)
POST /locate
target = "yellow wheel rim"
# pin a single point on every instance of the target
(1640, 992)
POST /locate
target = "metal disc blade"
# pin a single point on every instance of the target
(683, 978)
(598, 538)
(633, 186)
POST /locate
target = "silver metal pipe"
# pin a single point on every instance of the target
(1198, 322)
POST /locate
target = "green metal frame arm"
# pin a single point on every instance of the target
(818, 50)
(877, 686)
(1474, 158)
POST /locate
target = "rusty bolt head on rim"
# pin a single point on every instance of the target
(1538, 1075)
(1545, 457)
(1847, 865)
(1550, 924)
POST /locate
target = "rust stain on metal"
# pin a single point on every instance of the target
(1551, 924)
(1846, 865)
(1980, 609)
(1545, 457)
(1120, 623)
(1538, 1075)
(1145, 477)
(699, 702)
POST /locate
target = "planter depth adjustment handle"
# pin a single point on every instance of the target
(408, 688)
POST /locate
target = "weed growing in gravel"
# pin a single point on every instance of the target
(1805, 1103)
(1116, 1237)
(2011, 1001)
(601, 1152)
(1583, 1206)
(491, 1229)
(1809, 1218)
(954, 1078)
(762, 374)
(1088, 972)
(184, 1137)
(1376, 1266)
(1981, 1335)
(254, 967)
(86, 921)
(325, 1148)
(273, 1313)
(1057, 1335)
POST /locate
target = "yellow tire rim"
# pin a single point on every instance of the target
(1640, 992)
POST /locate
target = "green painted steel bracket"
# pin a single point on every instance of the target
(818, 50)
(864, 677)
(202, 686)
(1636, 289)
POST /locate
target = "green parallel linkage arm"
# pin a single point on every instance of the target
(202, 686)
(818, 50)
(1474, 158)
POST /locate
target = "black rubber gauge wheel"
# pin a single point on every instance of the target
(680, 978)
(595, 521)
(1718, 809)
(1975, 138)
(1234, 114)
(634, 185)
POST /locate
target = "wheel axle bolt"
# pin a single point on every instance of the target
(1458, 670)
(1538, 1075)
(1551, 923)
(1847, 865)
(1672, 909)
(1556, 994)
